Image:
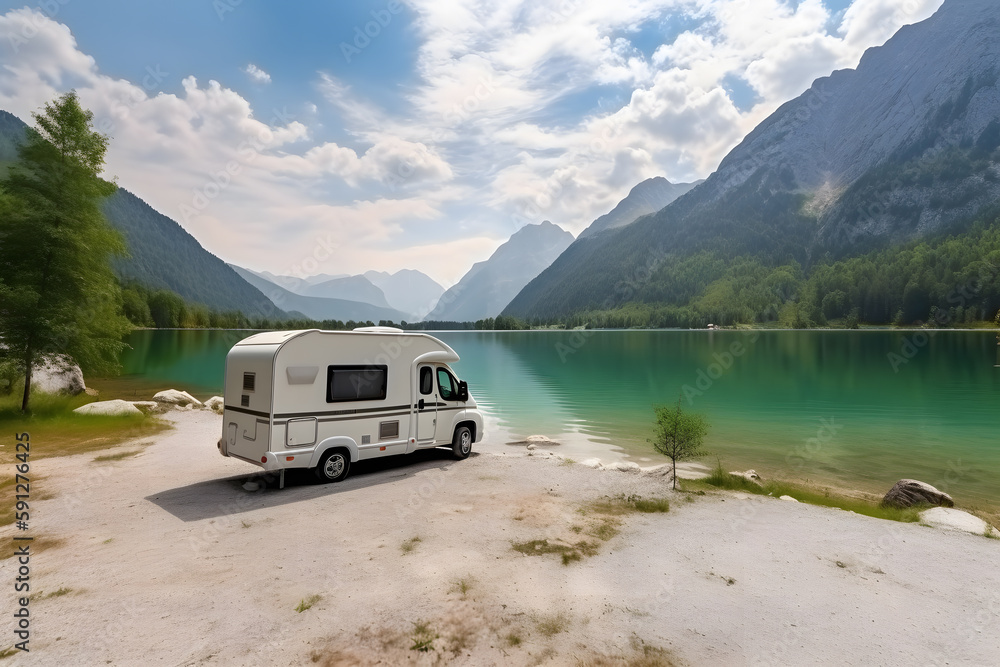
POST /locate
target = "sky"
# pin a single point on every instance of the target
(340, 137)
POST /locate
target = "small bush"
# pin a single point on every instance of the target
(410, 544)
(307, 603)
(423, 637)
(553, 625)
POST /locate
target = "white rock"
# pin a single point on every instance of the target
(788, 498)
(146, 406)
(116, 407)
(531, 448)
(953, 519)
(540, 440)
(176, 397)
(251, 486)
(215, 403)
(624, 466)
(591, 463)
(57, 374)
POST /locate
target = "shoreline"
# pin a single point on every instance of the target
(424, 548)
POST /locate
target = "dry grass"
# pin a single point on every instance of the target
(549, 626)
(569, 552)
(117, 457)
(410, 544)
(38, 545)
(307, 603)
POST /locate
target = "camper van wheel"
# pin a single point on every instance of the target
(334, 466)
(461, 445)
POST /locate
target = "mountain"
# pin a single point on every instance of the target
(347, 288)
(902, 148)
(490, 285)
(318, 308)
(648, 197)
(162, 254)
(408, 290)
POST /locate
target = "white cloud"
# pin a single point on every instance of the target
(256, 74)
(501, 127)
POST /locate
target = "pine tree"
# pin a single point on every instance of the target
(58, 294)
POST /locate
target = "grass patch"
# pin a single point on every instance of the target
(410, 544)
(423, 637)
(55, 594)
(621, 504)
(567, 462)
(568, 552)
(605, 529)
(7, 652)
(513, 639)
(307, 603)
(58, 431)
(462, 587)
(720, 479)
(550, 626)
(38, 545)
(117, 457)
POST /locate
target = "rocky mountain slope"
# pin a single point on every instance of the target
(490, 285)
(903, 147)
(648, 197)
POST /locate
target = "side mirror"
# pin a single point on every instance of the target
(463, 390)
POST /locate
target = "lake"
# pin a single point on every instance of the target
(855, 409)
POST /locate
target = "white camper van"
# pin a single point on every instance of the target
(326, 399)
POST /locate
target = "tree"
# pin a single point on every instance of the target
(678, 435)
(58, 294)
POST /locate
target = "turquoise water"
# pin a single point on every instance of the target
(858, 409)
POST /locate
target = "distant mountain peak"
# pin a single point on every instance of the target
(647, 197)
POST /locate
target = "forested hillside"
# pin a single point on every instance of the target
(948, 281)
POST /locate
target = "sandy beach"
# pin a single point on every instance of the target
(165, 559)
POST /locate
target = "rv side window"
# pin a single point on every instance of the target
(355, 383)
(449, 388)
(426, 380)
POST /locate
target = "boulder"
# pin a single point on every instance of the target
(540, 440)
(910, 492)
(146, 406)
(216, 403)
(952, 519)
(114, 408)
(176, 397)
(57, 374)
(788, 498)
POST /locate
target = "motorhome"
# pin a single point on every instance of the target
(323, 400)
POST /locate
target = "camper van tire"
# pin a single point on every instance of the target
(461, 445)
(334, 466)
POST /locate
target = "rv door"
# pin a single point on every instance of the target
(426, 404)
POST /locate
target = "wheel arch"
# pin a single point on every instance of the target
(336, 442)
